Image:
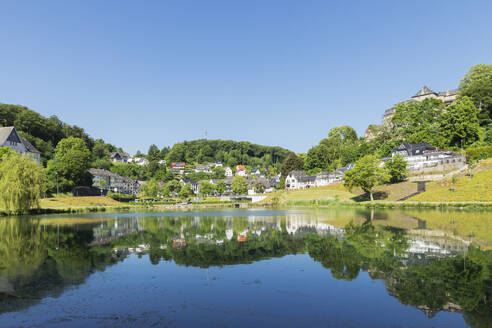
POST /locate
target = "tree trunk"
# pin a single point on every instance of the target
(370, 194)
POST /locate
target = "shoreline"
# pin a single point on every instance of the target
(487, 206)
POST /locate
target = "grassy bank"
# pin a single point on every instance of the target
(475, 185)
(74, 202)
(468, 190)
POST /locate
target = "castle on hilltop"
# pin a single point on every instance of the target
(447, 96)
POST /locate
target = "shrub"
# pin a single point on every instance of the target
(477, 153)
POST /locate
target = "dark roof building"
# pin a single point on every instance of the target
(410, 149)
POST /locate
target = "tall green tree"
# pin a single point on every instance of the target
(206, 188)
(150, 189)
(396, 167)
(366, 174)
(460, 123)
(220, 187)
(239, 185)
(419, 122)
(21, 183)
(186, 191)
(153, 154)
(477, 84)
(291, 163)
(71, 162)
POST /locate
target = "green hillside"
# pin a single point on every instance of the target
(228, 151)
(45, 132)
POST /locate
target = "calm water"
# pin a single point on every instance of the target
(333, 268)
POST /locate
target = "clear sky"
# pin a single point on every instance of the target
(270, 72)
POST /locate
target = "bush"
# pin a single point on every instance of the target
(477, 153)
(121, 197)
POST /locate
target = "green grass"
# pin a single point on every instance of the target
(475, 187)
(312, 196)
(465, 191)
(64, 202)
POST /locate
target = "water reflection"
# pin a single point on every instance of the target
(432, 270)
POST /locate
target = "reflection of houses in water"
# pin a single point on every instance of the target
(108, 231)
(139, 249)
(179, 243)
(423, 244)
(299, 226)
(120, 253)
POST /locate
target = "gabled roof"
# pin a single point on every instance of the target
(414, 149)
(30, 148)
(347, 167)
(120, 154)
(6, 132)
(424, 91)
(297, 174)
(308, 178)
(109, 174)
(186, 180)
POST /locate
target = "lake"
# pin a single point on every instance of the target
(244, 268)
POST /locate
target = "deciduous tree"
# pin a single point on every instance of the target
(21, 183)
(366, 174)
(239, 185)
(396, 167)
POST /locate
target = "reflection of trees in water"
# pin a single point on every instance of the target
(460, 283)
(40, 260)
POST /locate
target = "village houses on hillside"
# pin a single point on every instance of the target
(241, 170)
(9, 137)
(300, 180)
(421, 158)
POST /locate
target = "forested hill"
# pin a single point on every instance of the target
(45, 133)
(228, 151)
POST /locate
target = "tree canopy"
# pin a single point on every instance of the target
(229, 152)
(366, 174)
(239, 185)
(70, 163)
(21, 183)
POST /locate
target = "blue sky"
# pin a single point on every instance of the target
(270, 72)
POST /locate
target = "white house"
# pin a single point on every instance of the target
(10, 138)
(255, 172)
(119, 157)
(241, 170)
(203, 168)
(139, 161)
(327, 178)
(299, 180)
(422, 156)
(228, 171)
